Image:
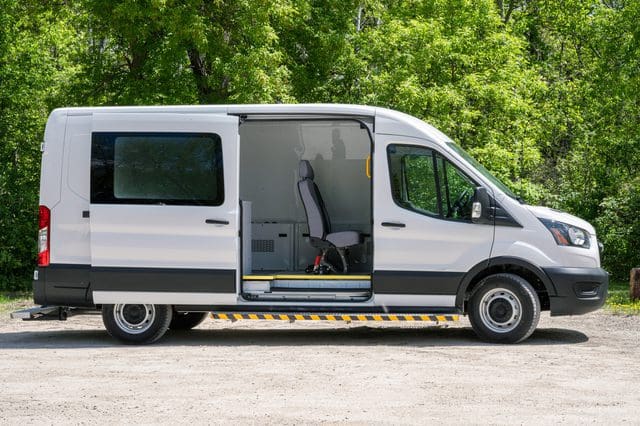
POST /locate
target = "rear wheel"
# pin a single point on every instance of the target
(136, 323)
(186, 320)
(504, 308)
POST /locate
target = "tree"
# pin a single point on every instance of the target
(35, 47)
(184, 52)
(544, 93)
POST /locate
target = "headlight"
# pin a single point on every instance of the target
(567, 235)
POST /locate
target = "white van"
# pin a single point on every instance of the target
(159, 216)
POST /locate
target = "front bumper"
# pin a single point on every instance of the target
(578, 290)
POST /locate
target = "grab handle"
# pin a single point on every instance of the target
(368, 167)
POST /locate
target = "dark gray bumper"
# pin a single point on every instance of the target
(578, 290)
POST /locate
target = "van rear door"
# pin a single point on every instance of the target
(164, 208)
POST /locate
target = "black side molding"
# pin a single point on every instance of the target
(502, 218)
(63, 284)
(74, 284)
(416, 282)
(163, 279)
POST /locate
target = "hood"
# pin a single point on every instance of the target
(560, 216)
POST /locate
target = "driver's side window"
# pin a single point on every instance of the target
(422, 180)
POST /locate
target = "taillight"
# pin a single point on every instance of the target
(44, 232)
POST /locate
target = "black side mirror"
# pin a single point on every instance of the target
(481, 207)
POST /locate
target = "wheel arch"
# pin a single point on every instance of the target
(505, 264)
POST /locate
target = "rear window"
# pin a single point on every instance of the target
(156, 168)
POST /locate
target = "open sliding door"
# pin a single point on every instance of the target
(164, 208)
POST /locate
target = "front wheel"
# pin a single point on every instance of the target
(136, 323)
(504, 308)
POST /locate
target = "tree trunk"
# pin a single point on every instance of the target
(634, 284)
(201, 74)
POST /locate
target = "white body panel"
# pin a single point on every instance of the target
(168, 236)
(163, 237)
(535, 244)
(70, 236)
(425, 243)
(164, 297)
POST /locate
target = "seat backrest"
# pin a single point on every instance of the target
(314, 208)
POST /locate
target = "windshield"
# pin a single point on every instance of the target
(479, 167)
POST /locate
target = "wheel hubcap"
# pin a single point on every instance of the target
(134, 319)
(500, 310)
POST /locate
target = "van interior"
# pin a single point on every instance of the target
(305, 189)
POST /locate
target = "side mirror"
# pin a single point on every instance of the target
(481, 206)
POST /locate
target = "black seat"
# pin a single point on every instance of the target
(320, 234)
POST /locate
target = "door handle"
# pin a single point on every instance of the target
(216, 222)
(393, 224)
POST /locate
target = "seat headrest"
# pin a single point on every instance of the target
(305, 170)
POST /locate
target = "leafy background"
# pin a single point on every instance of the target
(546, 94)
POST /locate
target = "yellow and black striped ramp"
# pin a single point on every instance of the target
(236, 316)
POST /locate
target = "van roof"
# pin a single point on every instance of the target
(387, 121)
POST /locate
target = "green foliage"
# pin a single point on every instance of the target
(618, 300)
(620, 229)
(35, 44)
(545, 94)
(455, 65)
(9, 298)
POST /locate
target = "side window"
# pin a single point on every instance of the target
(413, 178)
(457, 191)
(156, 168)
(424, 181)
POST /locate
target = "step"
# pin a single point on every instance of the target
(272, 277)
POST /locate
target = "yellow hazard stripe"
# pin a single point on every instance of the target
(258, 277)
(333, 317)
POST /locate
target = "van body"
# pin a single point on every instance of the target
(158, 215)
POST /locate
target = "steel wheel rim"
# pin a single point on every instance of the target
(134, 319)
(500, 310)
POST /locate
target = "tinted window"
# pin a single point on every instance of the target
(416, 176)
(457, 191)
(154, 168)
(424, 181)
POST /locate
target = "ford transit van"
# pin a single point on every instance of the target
(159, 216)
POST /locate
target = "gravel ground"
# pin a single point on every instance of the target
(572, 370)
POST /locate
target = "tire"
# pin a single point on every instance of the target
(136, 324)
(504, 308)
(186, 320)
